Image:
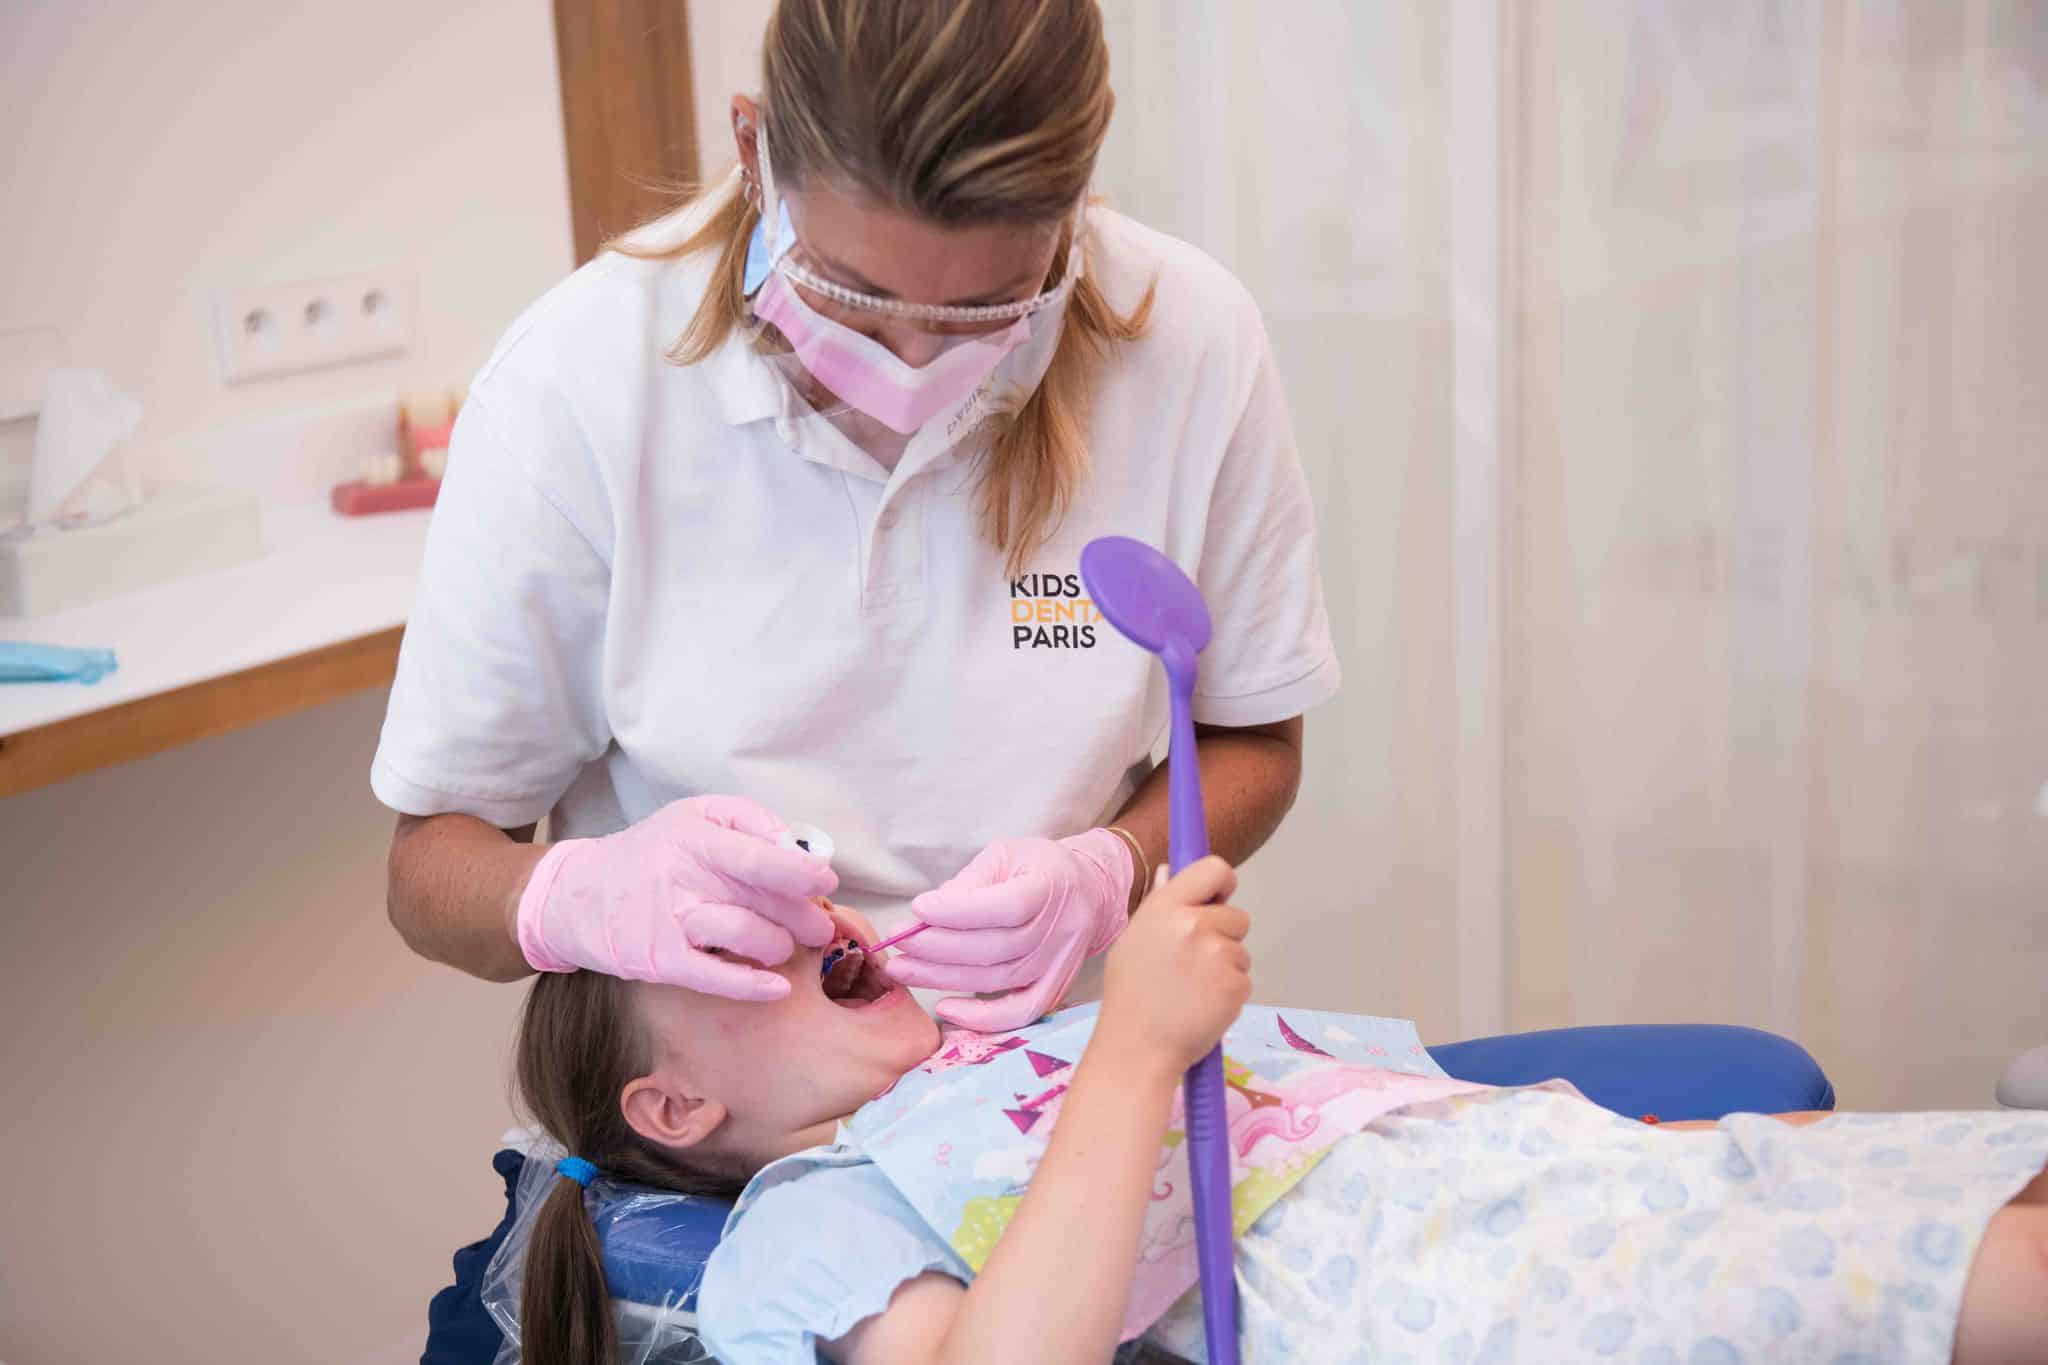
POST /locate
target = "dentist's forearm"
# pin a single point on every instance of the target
(1249, 780)
(453, 892)
(1056, 1285)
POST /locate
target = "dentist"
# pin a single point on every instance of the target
(774, 510)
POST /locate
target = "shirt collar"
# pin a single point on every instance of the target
(748, 390)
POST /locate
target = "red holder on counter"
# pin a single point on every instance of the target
(359, 499)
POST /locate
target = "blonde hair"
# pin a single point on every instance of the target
(963, 112)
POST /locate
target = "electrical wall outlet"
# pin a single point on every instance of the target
(311, 325)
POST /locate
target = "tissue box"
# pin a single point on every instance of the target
(175, 533)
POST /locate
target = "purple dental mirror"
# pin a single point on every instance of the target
(1153, 604)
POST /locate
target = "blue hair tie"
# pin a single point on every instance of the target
(576, 1169)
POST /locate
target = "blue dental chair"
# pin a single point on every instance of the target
(1671, 1071)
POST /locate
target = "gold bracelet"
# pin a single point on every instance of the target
(1137, 853)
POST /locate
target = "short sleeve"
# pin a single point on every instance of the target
(808, 1261)
(1270, 656)
(498, 701)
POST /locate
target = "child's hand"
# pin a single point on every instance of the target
(1180, 973)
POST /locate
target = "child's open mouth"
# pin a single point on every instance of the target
(855, 979)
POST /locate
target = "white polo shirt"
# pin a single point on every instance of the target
(643, 582)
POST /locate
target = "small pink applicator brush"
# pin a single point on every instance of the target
(894, 939)
(832, 959)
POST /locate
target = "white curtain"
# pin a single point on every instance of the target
(1673, 378)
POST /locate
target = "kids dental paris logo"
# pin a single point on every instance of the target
(1047, 611)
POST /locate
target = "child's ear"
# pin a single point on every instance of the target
(661, 1113)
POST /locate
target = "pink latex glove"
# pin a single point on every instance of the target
(1020, 918)
(648, 902)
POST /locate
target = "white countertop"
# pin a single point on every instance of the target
(322, 579)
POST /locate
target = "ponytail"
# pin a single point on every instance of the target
(565, 1312)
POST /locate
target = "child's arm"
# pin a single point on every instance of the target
(1056, 1284)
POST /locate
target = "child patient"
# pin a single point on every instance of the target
(1022, 1197)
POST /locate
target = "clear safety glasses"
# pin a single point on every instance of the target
(785, 248)
(941, 316)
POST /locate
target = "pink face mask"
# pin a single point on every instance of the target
(861, 371)
(869, 376)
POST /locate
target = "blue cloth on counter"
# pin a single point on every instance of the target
(53, 663)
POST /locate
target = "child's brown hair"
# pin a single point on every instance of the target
(580, 1043)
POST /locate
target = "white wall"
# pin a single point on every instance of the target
(725, 49)
(238, 1120)
(1693, 658)
(158, 152)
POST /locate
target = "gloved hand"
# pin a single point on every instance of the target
(1020, 918)
(646, 903)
